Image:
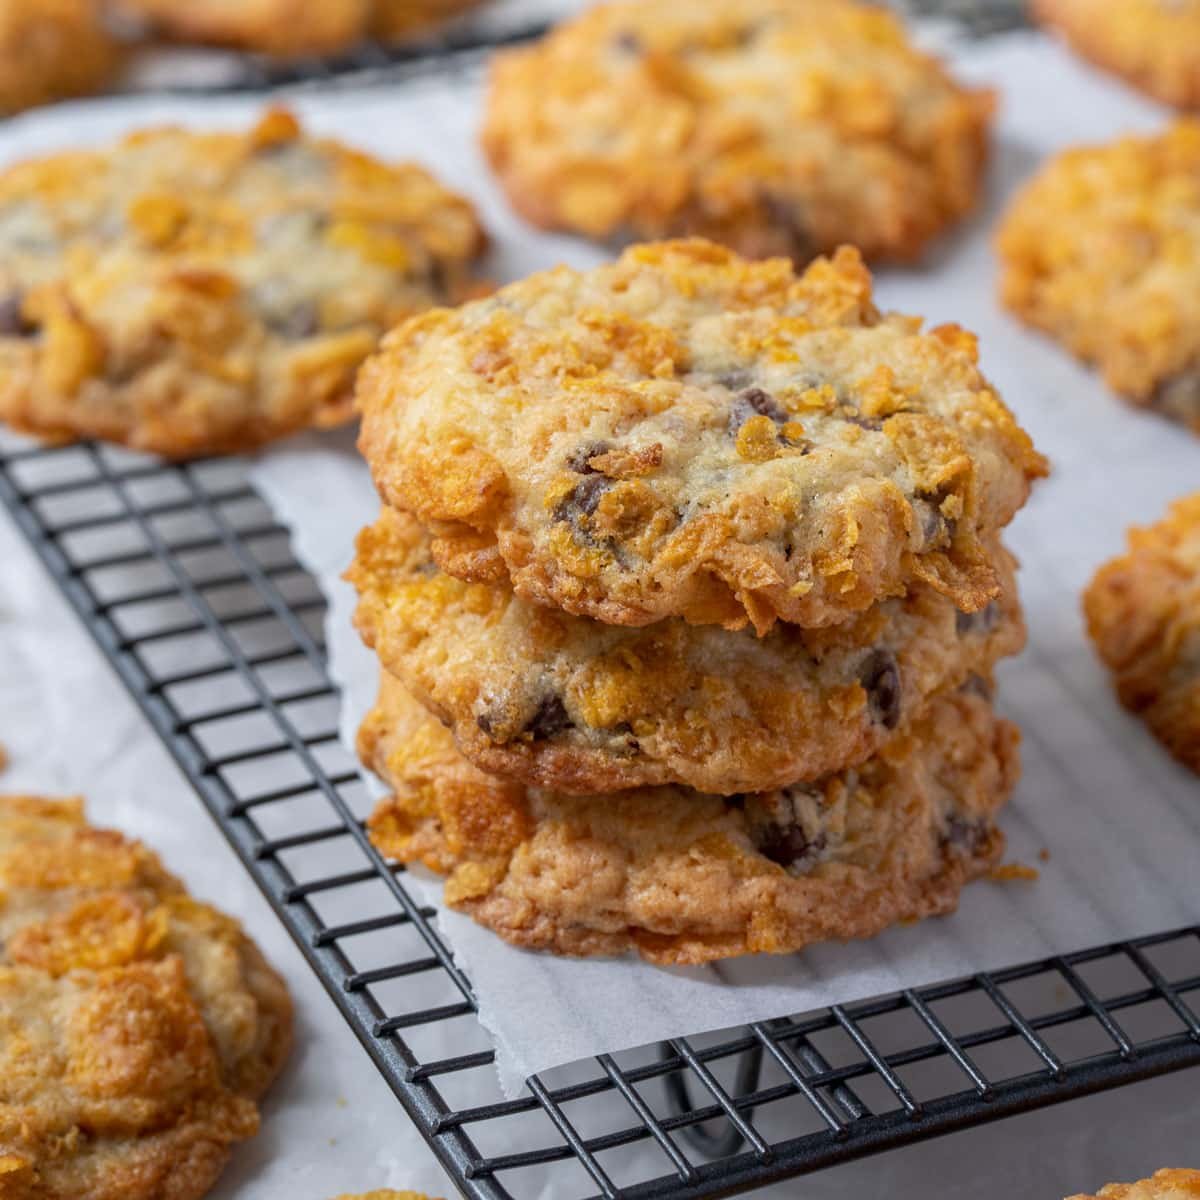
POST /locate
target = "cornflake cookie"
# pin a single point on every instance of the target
(775, 126)
(192, 293)
(685, 433)
(1154, 44)
(399, 20)
(1167, 1184)
(284, 28)
(52, 49)
(567, 703)
(1102, 250)
(385, 1194)
(137, 1026)
(1143, 613)
(685, 878)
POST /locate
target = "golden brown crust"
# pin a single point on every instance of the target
(279, 27)
(399, 20)
(685, 433)
(1102, 250)
(1167, 1184)
(774, 126)
(1153, 44)
(137, 1026)
(682, 877)
(50, 50)
(1143, 613)
(200, 293)
(569, 704)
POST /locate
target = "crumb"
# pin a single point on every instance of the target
(1007, 872)
(1044, 855)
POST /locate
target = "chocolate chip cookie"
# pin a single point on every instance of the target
(1167, 1184)
(687, 433)
(1102, 251)
(682, 877)
(567, 703)
(192, 293)
(774, 126)
(138, 1027)
(1154, 44)
(50, 50)
(1143, 613)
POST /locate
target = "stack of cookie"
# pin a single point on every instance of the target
(688, 591)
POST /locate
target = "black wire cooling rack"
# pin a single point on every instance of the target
(189, 586)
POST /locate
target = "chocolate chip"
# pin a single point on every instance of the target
(967, 834)
(1179, 397)
(549, 719)
(12, 323)
(976, 685)
(578, 461)
(881, 677)
(786, 215)
(853, 417)
(628, 42)
(983, 621)
(582, 500)
(788, 845)
(754, 402)
(486, 723)
(300, 321)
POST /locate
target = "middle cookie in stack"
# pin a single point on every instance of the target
(700, 560)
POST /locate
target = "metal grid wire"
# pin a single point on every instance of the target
(189, 586)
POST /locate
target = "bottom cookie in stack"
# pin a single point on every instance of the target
(683, 877)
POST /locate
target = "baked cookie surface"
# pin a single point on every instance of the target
(50, 50)
(193, 293)
(1102, 251)
(1143, 613)
(279, 27)
(566, 703)
(137, 1026)
(1154, 44)
(686, 433)
(1167, 1184)
(682, 877)
(775, 126)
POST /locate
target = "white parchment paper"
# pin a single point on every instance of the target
(1119, 819)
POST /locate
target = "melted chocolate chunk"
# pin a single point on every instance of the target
(853, 417)
(983, 621)
(300, 321)
(578, 462)
(12, 323)
(788, 845)
(549, 719)
(881, 677)
(754, 402)
(582, 500)
(628, 42)
(967, 834)
(785, 214)
(1179, 397)
(976, 685)
(736, 381)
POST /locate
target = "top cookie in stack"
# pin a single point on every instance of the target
(689, 522)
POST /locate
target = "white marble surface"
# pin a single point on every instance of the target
(331, 1124)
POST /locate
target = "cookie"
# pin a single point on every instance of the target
(50, 50)
(192, 293)
(138, 1027)
(570, 704)
(687, 433)
(385, 1194)
(774, 126)
(284, 28)
(1153, 44)
(685, 878)
(1143, 613)
(1167, 1184)
(1102, 251)
(399, 20)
